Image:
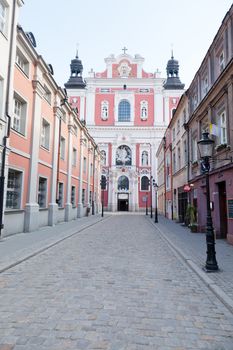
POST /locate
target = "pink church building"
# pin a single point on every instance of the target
(126, 110)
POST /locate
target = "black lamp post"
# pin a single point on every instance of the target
(103, 187)
(205, 146)
(156, 206)
(147, 204)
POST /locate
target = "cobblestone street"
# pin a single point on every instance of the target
(116, 285)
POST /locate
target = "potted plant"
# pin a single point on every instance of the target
(191, 217)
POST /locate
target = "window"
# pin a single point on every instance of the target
(83, 196)
(184, 116)
(47, 94)
(173, 134)
(73, 196)
(3, 17)
(104, 110)
(144, 183)
(194, 149)
(144, 158)
(13, 194)
(60, 195)
(42, 192)
(221, 61)
(84, 164)
(19, 117)
(143, 110)
(22, 62)
(173, 112)
(124, 111)
(103, 157)
(223, 127)
(90, 197)
(174, 162)
(75, 130)
(178, 126)
(123, 183)
(74, 157)
(62, 148)
(91, 170)
(45, 134)
(205, 85)
(103, 182)
(178, 159)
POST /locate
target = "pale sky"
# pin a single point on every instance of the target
(102, 27)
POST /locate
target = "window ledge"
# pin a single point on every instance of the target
(13, 211)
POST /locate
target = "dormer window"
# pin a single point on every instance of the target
(144, 110)
(104, 110)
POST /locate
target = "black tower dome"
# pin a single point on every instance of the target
(173, 81)
(76, 80)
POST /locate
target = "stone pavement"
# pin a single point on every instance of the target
(117, 285)
(19, 247)
(192, 248)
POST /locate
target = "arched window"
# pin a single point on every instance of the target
(144, 158)
(123, 155)
(124, 111)
(144, 183)
(144, 110)
(123, 183)
(103, 157)
(104, 110)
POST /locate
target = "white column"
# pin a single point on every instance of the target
(89, 174)
(31, 222)
(80, 204)
(68, 205)
(166, 110)
(53, 207)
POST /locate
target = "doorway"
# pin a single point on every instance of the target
(222, 209)
(123, 205)
(123, 202)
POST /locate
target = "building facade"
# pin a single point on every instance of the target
(207, 106)
(126, 110)
(52, 163)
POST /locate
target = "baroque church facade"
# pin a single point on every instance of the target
(126, 110)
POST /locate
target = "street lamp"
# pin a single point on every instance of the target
(147, 204)
(151, 213)
(205, 146)
(156, 206)
(103, 187)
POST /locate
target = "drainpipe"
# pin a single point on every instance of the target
(2, 177)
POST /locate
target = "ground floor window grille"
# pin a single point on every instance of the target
(73, 196)
(60, 195)
(83, 196)
(42, 192)
(13, 195)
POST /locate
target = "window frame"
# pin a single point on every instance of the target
(40, 192)
(124, 114)
(45, 136)
(10, 189)
(22, 118)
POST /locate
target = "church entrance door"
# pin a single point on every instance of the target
(123, 202)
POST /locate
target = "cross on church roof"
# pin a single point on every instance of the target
(124, 49)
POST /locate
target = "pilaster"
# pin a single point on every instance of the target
(68, 205)
(80, 204)
(32, 208)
